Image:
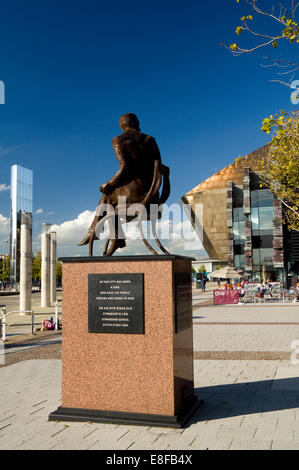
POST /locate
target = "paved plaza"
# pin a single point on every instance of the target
(243, 371)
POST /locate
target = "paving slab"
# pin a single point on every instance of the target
(230, 418)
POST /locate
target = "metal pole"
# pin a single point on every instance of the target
(56, 315)
(53, 256)
(3, 323)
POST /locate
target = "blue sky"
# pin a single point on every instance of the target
(72, 68)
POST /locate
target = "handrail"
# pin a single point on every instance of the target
(16, 311)
(3, 320)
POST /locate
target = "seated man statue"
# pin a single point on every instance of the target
(138, 155)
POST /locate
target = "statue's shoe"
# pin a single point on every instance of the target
(86, 238)
(114, 245)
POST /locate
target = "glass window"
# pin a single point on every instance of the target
(261, 198)
(265, 198)
(239, 231)
(266, 256)
(242, 262)
(254, 217)
(237, 261)
(262, 241)
(262, 256)
(262, 217)
(266, 215)
(239, 248)
(239, 215)
(256, 257)
(254, 198)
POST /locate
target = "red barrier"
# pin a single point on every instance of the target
(222, 297)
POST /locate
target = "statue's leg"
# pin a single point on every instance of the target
(106, 246)
(148, 246)
(91, 240)
(91, 231)
(116, 235)
(154, 221)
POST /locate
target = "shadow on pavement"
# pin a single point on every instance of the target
(239, 399)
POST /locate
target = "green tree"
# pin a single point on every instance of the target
(202, 269)
(4, 269)
(279, 170)
(37, 266)
(58, 271)
(281, 25)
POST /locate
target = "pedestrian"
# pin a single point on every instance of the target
(203, 284)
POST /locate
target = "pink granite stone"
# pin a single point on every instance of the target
(147, 373)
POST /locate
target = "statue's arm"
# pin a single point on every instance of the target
(115, 181)
(164, 170)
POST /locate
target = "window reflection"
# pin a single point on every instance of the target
(262, 212)
(21, 200)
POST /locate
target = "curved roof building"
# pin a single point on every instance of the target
(242, 223)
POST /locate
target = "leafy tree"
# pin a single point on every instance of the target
(4, 269)
(279, 170)
(37, 266)
(202, 269)
(58, 271)
(282, 26)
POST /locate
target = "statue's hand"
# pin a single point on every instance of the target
(106, 188)
(164, 170)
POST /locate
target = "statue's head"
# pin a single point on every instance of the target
(129, 121)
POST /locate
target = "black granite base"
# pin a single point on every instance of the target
(117, 417)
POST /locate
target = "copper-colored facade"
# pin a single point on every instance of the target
(212, 193)
(235, 192)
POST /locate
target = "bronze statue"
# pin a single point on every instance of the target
(138, 180)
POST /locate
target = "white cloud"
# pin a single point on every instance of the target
(4, 187)
(39, 211)
(72, 231)
(4, 225)
(51, 213)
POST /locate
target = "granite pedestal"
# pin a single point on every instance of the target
(127, 348)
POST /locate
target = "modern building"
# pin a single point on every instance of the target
(242, 223)
(21, 200)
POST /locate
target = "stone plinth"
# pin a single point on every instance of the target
(144, 378)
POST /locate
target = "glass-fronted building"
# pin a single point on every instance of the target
(243, 223)
(21, 184)
(261, 220)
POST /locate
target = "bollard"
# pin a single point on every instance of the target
(56, 315)
(3, 323)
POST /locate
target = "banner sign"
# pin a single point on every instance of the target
(222, 297)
